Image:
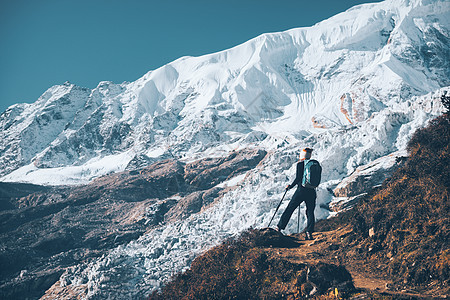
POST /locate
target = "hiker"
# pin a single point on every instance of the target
(304, 192)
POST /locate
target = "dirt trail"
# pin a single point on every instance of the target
(322, 249)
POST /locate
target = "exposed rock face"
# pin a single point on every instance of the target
(216, 170)
(370, 175)
(365, 178)
(16, 190)
(44, 231)
(193, 203)
(345, 203)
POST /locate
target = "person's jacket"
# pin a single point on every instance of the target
(299, 175)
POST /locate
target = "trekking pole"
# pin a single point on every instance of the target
(277, 208)
(298, 220)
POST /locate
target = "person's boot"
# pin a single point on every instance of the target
(309, 236)
(278, 229)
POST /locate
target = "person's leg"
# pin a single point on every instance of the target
(310, 201)
(293, 204)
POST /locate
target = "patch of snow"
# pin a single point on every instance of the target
(72, 175)
(154, 153)
(232, 182)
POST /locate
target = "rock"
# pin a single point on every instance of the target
(10, 190)
(345, 203)
(324, 276)
(365, 177)
(268, 237)
(217, 170)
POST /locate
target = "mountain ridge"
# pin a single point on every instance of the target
(274, 83)
(354, 88)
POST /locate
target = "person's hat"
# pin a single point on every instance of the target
(306, 153)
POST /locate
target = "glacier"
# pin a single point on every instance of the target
(353, 87)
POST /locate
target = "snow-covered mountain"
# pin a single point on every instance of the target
(281, 86)
(353, 87)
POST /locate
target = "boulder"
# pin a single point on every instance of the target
(366, 177)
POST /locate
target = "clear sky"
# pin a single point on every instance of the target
(48, 42)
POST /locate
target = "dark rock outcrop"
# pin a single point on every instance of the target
(211, 171)
(368, 176)
(10, 191)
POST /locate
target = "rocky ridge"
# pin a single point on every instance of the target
(339, 74)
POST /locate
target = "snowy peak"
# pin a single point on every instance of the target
(340, 72)
(28, 129)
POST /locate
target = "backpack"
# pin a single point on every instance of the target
(311, 174)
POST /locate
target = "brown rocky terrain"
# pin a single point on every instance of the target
(264, 264)
(45, 230)
(260, 264)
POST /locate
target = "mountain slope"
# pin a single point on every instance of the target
(400, 231)
(405, 225)
(397, 238)
(253, 267)
(46, 231)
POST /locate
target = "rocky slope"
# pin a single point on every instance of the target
(45, 231)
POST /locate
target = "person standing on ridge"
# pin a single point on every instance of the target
(307, 178)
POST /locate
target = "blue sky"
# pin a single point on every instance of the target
(48, 42)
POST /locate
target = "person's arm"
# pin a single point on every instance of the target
(298, 176)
